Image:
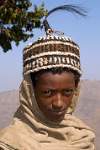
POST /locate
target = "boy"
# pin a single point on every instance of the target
(48, 95)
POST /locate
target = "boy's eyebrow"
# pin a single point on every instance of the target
(54, 89)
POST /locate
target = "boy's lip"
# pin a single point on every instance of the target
(57, 112)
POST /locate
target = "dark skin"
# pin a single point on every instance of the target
(54, 93)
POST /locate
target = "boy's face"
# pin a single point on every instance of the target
(54, 93)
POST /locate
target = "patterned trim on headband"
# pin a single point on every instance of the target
(52, 38)
(50, 53)
(50, 61)
(52, 66)
(35, 45)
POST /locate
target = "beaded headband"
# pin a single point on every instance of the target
(52, 51)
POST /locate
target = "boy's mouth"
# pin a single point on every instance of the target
(57, 112)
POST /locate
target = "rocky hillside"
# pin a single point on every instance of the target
(88, 108)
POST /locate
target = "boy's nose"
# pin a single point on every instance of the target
(58, 102)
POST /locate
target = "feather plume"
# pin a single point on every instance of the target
(70, 8)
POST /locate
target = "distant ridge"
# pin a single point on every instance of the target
(88, 108)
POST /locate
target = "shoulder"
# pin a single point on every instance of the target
(6, 136)
(4, 146)
(77, 123)
(80, 130)
(9, 136)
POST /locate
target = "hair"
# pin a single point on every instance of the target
(35, 76)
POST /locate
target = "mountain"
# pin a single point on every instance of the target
(88, 107)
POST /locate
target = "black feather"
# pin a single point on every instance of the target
(71, 8)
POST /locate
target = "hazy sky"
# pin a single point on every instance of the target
(84, 31)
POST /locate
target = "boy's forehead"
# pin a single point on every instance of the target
(55, 81)
(50, 76)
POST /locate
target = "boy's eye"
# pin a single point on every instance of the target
(47, 92)
(68, 92)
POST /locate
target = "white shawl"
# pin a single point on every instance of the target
(30, 130)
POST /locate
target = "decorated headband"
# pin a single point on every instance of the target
(54, 49)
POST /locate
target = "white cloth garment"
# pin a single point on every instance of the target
(30, 130)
